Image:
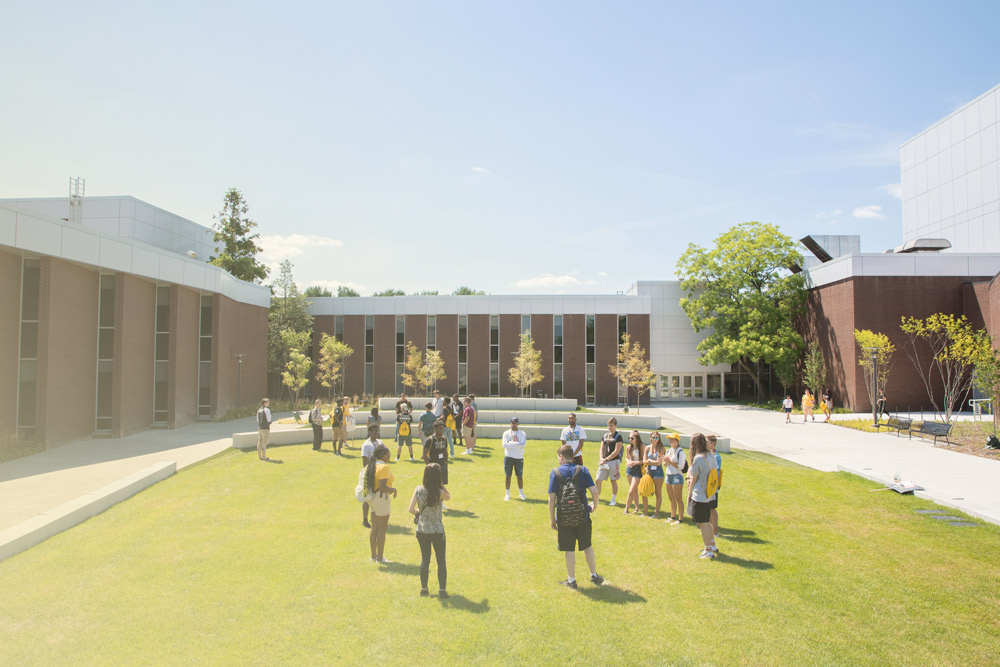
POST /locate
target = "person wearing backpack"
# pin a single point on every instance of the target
(569, 513)
(367, 453)
(449, 425)
(703, 477)
(404, 431)
(676, 467)
(263, 428)
(714, 518)
(338, 426)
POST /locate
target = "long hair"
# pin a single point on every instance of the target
(432, 484)
(380, 451)
(638, 441)
(699, 444)
(659, 448)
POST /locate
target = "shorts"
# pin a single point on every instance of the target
(609, 471)
(673, 479)
(381, 504)
(656, 473)
(702, 512)
(573, 537)
(714, 502)
(340, 433)
(510, 464)
(633, 471)
(787, 410)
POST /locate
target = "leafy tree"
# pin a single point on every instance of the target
(633, 370)
(879, 343)
(527, 368)
(296, 373)
(288, 312)
(333, 355)
(814, 371)
(945, 336)
(390, 292)
(233, 229)
(422, 371)
(786, 370)
(412, 365)
(316, 290)
(467, 291)
(977, 348)
(426, 293)
(744, 295)
(343, 290)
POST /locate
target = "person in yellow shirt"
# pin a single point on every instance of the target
(379, 478)
(807, 406)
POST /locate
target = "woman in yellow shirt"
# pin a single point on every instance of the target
(379, 478)
(807, 406)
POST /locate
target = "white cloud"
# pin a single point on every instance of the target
(892, 189)
(872, 212)
(830, 218)
(602, 273)
(549, 280)
(481, 170)
(277, 247)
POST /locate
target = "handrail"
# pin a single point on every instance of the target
(977, 407)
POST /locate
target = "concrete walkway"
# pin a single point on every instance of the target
(967, 483)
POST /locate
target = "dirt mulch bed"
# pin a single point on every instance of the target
(970, 438)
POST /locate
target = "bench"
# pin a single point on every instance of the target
(933, 429)
(898, 423)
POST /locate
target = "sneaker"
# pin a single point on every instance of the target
(522, 495)
(384, 561)
(442, 594)
(445, 507)
(506, 496)
(707, 554)
(714, 549)
(412, 459)
(570, 584)
(612, 504)
(596, 579)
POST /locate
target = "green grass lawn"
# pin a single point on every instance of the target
(234, 561)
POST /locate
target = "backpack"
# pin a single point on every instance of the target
(360, 492)
(450, 422)
(570, 508)
(262, 422)
(683, 468)
(404, 428)
(712, 483)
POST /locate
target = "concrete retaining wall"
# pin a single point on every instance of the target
(490, 403)
(588, 420)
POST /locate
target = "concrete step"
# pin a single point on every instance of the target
(587, 420)
(490, 403)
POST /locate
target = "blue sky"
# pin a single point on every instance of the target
(516, 147)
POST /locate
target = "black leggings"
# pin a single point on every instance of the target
(317, 436)
(436, 540)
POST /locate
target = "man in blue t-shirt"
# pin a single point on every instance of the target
(571, 537)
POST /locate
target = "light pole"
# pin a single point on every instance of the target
(873, 351)
(239, 377)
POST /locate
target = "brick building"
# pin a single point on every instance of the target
(111, 322)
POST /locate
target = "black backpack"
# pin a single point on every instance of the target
(570, 508)
(262, 422)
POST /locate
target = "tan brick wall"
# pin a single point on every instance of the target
(10, 320)
(185, 311)
(239, 328)
(132, 394)
(67, 348)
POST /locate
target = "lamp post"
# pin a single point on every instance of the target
(873, 351)
(239, 377)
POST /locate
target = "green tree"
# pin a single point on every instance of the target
(390, 292)
(411, 367)
(814, 369)
(333, 355)
(744, 295)
(288, 312)
(234, 229)
(945, 337)
(343, 290)
(870, 342)
(296, 373)
(426, 292)
(421, 372)
(977, 349)
(632, 370)
(467, 291)
(316, 290)
(527, 368)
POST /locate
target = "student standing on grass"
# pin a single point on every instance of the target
(574, 436)
(456, 411)
(608, 466)
(316, 420)
(714, 503)
(337, 422)
(675, 479)
(702, 466)
(374, 418)
(367, 454)
(438, 405)
(400, 404)
(426, 504)
(469, 425)
(436, 450)
(449, 424)
(514, 441)
(807, 406)
(786, 405)
(380, 478)
(427, 421)
(633, 469)
(656, 455)
(569, 513)
(404, 432)
(263, 428)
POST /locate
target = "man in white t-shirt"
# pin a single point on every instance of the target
(514, 440)
(438, 404)
(574, 436)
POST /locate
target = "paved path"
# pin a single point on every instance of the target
(968, 483)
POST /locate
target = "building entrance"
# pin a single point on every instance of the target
(688, 386)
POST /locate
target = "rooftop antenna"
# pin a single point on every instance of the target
(77, 190)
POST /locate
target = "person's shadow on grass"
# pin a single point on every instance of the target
(611, 594)
(743, 562)
(278, 461)
(402, 568)
(742, 536)
(463, 603)
(460, 514)
(393, 529)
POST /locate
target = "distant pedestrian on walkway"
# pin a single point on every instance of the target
(880, 404)
(316, 420)
(379, 477)
(426, 504)
(807, 406)
(787, 405)
(676, 465)
(263, 428)
(569, 513)
(514, 441)
(827, 404)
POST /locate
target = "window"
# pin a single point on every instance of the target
(432, 332)
(105, 352)
(494, 355)
(161, 354)
(463, 354)
(28, 355)
(338, 327)
(400, 351)
(205, 359)
(591, 359)
(622, 332)
(369, 354)
(557, 356)
(525, 323)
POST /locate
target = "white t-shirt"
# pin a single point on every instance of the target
(787, 404)
(574, 437)
(438, 406)
(675, 469)
(514, 442)
(368, 449)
